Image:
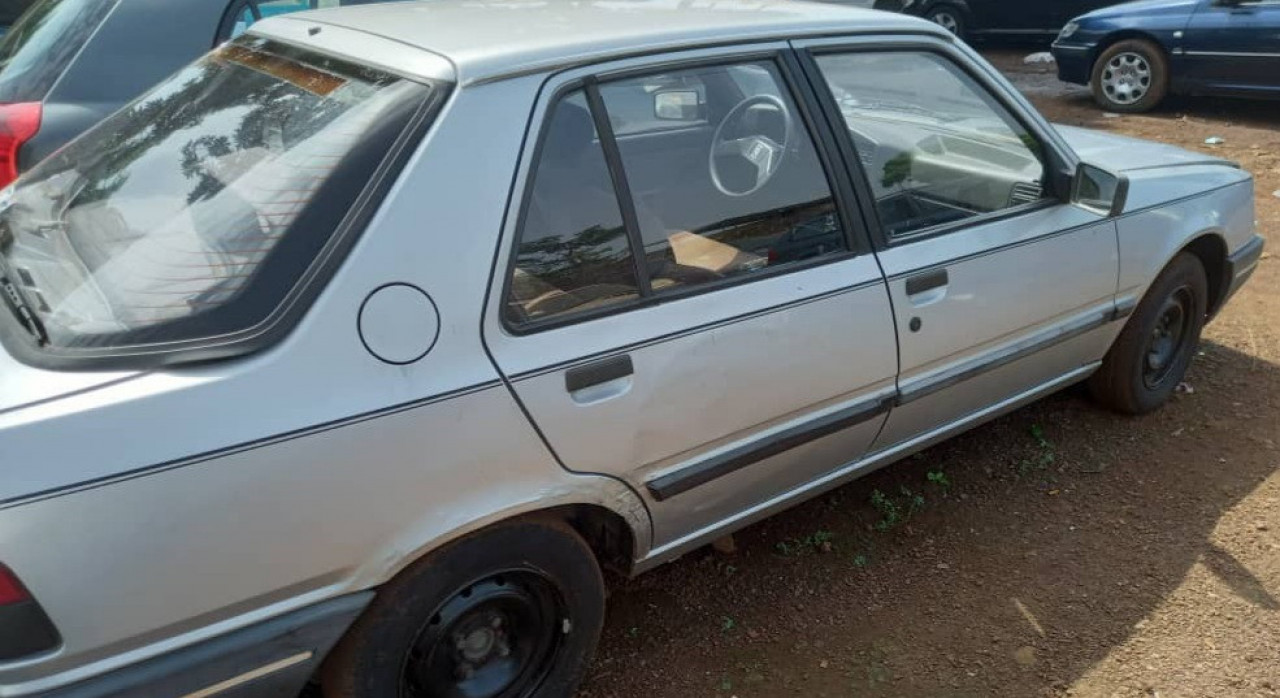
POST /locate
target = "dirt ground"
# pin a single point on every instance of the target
(1059, 551)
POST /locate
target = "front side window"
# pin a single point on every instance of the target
(195, 211)
(935, 145)
(720, 171)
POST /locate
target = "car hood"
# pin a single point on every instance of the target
(1145, 8)
(1121, 153)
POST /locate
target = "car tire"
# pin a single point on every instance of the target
(1153, 351)
(949, 17)
(1130, 76)
(515, 609)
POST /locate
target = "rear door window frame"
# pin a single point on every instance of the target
(847, 204)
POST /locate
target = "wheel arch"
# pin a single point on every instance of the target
(1124, 35)
(608, 514)
(1210, 247)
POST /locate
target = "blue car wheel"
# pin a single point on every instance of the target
(1130, 76)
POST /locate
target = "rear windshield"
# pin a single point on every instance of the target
(37, 50)
(194, 212)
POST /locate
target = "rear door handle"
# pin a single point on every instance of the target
(926, 282)
(598, 372)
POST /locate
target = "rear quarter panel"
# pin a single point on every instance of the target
(184, 503)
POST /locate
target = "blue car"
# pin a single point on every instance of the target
(1135, 54)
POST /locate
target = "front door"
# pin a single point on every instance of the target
(685, 303)
(999, 290)
(1233, 47)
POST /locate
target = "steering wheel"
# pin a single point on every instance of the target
(764, 153)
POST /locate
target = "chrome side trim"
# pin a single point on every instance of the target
(1124, 308)
(853, 469)
(223, 686)
(1233, 54)
(680, 481)
(1007, 355)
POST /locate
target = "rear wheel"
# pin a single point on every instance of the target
(511, 612)
(1152, 353)
(1130, 76)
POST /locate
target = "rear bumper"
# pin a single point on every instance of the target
(272, 659)
(1075, 62)
(1241, 265)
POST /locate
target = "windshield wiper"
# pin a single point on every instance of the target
(18, 303)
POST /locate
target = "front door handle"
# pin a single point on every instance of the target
(598, 372)
(927, 281)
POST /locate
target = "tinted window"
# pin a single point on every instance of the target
(195, 210)
(935, 145)
(37, 50)
(744, 193)
(573, 254)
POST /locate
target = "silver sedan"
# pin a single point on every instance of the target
(357, 350)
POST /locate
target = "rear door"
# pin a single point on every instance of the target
(1234, 48)
(715, 352)
(1000, 291)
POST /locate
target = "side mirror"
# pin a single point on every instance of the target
(1099, 190)
(677, 105)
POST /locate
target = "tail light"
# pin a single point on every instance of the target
(18, 124)
(25, 629)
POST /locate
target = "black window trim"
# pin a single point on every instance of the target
(1055, 163)
(807, 105)
(282, 319)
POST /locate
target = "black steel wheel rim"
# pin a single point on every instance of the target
(1169, 339)
(495, 638)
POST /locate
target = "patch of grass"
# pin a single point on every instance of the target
(896, 510)
(818, 541)
(1045, 457)
(939, 478)
(727, 623)
(860, 560)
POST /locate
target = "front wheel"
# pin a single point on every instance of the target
(1152, 353)
(1130, 76)
(513, 611)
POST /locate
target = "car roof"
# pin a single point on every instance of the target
(492, 39)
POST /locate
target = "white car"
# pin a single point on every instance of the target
(357, 349)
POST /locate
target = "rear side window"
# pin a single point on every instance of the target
(195, 211)
(37, 50)
(702, 176)
(573, 253)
